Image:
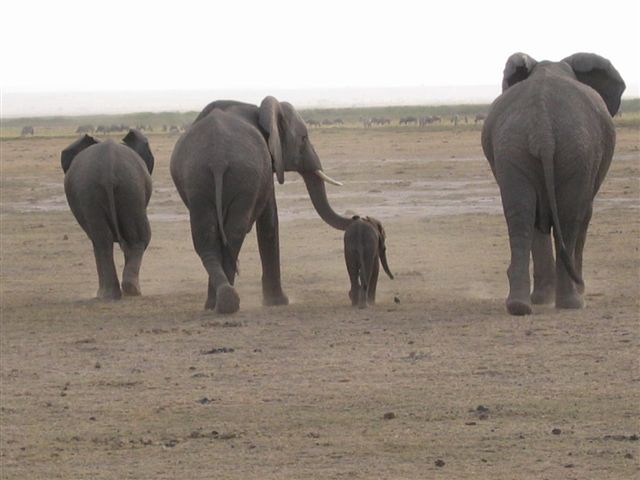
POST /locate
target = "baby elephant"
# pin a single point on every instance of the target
(364, 244)
(108, 186)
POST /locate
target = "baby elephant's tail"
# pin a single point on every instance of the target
(383, 261)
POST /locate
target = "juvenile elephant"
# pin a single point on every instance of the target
(549, 139)
(364, 246)
(108, 186)
(223, 168)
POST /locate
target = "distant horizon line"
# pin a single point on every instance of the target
(27, 104)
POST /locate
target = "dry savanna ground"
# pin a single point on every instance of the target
(435, 381)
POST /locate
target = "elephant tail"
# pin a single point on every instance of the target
(217, 181)
(547, 158)
(112, 214)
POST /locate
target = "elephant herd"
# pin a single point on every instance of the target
(549, 139)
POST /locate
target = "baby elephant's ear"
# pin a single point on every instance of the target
(600, 74)
(69, 153)
(137, 142)
(518, 67)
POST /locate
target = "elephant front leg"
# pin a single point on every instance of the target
(269, 246)
(544, 269)
(108, 284)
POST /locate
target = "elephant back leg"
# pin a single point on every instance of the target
(519, 205)
(207, 242)
(574, 215)
(544, 269)
(236, 226)
(108, 284)
(267, 231)
(373, 282)
(136, 234)
(580, 242)
(87, 205)
(133, 253)
(366, 275)
(353, 268)
(362, 296)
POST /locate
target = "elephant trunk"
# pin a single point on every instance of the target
(385, 265)
(318, 194)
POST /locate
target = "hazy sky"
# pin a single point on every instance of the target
(182, 44)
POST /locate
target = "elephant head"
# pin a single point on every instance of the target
(137, 142)
(588, 68)
(69, 153)
(291, 150)
(382, 247)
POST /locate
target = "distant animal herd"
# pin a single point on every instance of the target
(366, 122)
(30, 130)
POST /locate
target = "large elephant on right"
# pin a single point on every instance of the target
(549, 139)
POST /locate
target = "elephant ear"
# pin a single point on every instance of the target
(69, 153)
(518, 67)
(269, 118)
(600, 74)
(137, 142)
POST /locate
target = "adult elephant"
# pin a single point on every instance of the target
(549, 139)
(223, 168)
(108, 186)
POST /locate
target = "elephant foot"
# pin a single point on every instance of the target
(362, 299)
(543, 295)
(353, 296)
(210, 304)
(130, 289)
(518, 307)
(110, 294)
(273, 300)
(573, 301)
(227, 300)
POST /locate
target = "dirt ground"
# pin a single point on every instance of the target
(443, 384)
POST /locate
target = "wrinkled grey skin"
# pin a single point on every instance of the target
(108, 186)
(549, 139)
(364, 247)
(223, 168)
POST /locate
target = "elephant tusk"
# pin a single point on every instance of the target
(327, 178)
